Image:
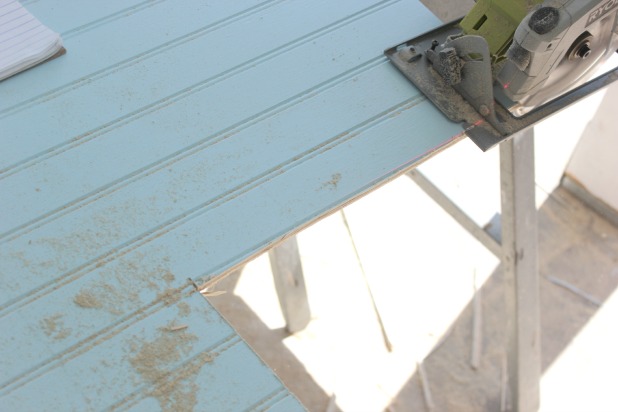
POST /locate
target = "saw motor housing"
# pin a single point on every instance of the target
(555, 49)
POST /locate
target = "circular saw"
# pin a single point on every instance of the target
(510, 63)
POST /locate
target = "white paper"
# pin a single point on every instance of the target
(24, 41)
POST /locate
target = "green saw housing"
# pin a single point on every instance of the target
(496, 21)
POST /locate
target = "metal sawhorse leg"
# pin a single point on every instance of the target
(517, 250)
(290, 284)
(520, 263)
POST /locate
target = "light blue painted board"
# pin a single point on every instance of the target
(116, 99)
(231, 160)
(286, 404)
(145, 94)
(129, 213)
(322, 185)
(126, 273)
(228, 396)
(120, 43)
(51, 184)
(148, 363)
(235, 234)
(67, 15)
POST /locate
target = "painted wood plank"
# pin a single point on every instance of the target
(283, 405)
(237, 238)
(152, 365)
(66, 16)
(212, 131)
(182, 80)
(208, 177)
(120, 273)
(119, 43)
(384, 87)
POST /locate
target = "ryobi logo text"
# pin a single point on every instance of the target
(601, 11)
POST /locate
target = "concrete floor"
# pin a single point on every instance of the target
(422, 269)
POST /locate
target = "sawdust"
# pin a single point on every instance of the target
(87, 299)
(169, 296)
(155, 362)
(180, 392)
(183, 309)
(169, 277)
(121, 292)
(105, 296)
(333, 182)
(53, 327)
(152, 279)
(174, 327)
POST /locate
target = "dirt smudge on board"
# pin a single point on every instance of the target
(87, 299)
(121, 287)
(169, 296)
(183, 309)
(155, 361)
(332, 183)
(54, 327)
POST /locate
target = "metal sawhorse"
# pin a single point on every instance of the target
(516, 248)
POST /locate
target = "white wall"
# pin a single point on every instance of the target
(594, 163)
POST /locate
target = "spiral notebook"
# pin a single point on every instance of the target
(24, 40)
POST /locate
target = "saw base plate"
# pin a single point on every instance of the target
(497, 124)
